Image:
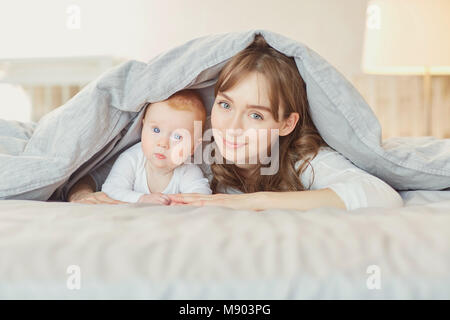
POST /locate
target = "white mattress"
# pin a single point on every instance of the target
(153, 252)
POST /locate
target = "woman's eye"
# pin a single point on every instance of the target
(256, 116)
(156, 130)
(224, 105)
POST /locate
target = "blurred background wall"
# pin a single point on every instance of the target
(49, 49)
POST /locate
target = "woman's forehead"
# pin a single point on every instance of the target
(252, 89)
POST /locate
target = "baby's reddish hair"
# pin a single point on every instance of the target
(187, 99)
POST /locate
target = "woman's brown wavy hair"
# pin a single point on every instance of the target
(287, 89)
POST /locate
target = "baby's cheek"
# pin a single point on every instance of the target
(147, 147)
(180, 154)
(176, 155)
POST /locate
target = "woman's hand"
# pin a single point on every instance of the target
(83, 192)
(243, 201)
(156, 198)
(93, 198)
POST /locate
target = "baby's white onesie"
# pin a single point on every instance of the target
(127, 180)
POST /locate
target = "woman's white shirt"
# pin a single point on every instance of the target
(356, 187)
(127, 180)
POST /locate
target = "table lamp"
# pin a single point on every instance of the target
(408, 37)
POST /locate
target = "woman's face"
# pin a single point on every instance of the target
(244, 128)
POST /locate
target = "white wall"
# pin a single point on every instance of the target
(140, 29)
(334, 28)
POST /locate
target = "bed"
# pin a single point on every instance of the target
(139, 251)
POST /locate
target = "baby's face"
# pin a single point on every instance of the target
(168, 135)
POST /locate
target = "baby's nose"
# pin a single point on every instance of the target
(163, 143)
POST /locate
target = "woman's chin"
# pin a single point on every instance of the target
(236, 156)
(231, 158)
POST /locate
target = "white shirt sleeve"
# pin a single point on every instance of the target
(119, 184)
(356, 187)
(193, 180)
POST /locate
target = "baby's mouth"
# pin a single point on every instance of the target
(159, 156)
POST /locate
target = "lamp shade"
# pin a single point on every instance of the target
(407, 37)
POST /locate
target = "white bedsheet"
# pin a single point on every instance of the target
(153, 252)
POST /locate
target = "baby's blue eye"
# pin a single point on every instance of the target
(176, 136)
(257, 116)
(156, 130)
(220, 103)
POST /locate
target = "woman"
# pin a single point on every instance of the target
(260, 90)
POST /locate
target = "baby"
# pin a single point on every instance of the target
(154, 167)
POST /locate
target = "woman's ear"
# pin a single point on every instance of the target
(289, 124)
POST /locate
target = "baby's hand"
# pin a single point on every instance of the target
(156, 197)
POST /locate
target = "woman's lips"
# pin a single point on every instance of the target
(160, 156)
(232, 144)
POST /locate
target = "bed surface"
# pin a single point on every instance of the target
(143, 251)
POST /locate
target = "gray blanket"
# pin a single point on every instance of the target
(42, 161)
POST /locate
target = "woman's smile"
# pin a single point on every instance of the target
(232, 144)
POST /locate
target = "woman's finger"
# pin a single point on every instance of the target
(184, 195)
(177, 203)
(189, 197)
(202, 202)
(176, 197)
(215, 202)
(199, 203)
(163, 200)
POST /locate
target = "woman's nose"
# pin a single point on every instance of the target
(234, 127)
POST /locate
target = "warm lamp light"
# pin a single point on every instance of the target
(408, 37)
